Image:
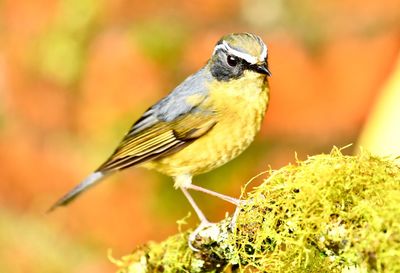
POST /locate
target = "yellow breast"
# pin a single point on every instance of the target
(240, 106)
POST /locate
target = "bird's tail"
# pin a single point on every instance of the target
(89, 181)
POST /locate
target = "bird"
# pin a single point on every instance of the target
(207, 120)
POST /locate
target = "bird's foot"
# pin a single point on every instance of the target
(208, 232)
(239, 207)
(193, 236)
(232, 224)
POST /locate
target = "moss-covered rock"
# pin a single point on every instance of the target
(330, 213)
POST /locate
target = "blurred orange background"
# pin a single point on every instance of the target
(74, 75)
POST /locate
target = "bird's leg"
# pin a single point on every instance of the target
(229, 199)
(234, 218)
(203, 220)
(196, 208)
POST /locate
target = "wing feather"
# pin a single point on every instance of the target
(158, 140)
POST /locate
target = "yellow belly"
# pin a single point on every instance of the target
(240, 106)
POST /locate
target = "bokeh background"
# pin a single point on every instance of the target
(75, 74)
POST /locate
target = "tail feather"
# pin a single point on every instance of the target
(89, 181)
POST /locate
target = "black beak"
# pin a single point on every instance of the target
(261, 68)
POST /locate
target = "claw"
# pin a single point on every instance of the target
(192, 237)
(235, 215)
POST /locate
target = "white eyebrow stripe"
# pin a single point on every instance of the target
(264, 52)
(248, 58)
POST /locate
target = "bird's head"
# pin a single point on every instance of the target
(237, 52)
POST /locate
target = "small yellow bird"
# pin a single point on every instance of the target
(206, 121)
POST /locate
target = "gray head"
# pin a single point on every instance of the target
(237, 52)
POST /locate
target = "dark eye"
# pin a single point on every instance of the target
(232, 61)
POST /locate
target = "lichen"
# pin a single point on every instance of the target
(329, 213)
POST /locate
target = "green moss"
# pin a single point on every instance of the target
(172, 255)
(330, 213)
